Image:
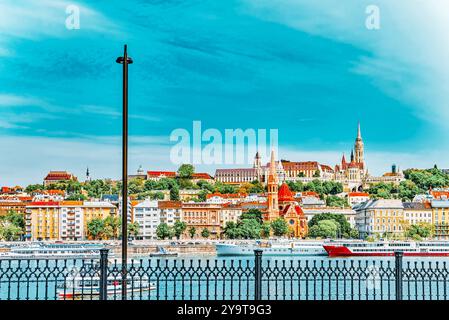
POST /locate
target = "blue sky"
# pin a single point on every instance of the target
(311, 70)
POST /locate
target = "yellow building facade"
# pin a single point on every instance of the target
(440, 218)
(42, 221)
(65, 220)
(383, 216)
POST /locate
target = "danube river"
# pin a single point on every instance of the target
(225, 278)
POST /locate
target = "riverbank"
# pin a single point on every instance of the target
(138, 248)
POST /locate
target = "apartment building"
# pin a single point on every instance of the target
(379, 217)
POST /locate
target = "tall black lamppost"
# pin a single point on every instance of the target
(125, 60)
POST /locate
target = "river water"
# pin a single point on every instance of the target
(225, 278)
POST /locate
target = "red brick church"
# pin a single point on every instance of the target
(281, 203)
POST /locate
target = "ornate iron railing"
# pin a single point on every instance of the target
(236, 279)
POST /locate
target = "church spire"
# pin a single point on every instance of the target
(272, 186)
(272, 163)
(359, 134)
(358, 147)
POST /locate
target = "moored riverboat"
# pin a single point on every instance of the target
(387, 248)
(86, 287)
(272, 248)
(53, 251)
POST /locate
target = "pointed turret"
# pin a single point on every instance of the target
(272, 163)
(272, 186)
(359, 134)
(358, 147)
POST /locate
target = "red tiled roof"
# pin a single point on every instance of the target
(43, 203)
(358, 194)
(25, 198)
(439, 194)
(58, 175)
(325, 167)
(54, 191)
(169, 204)
(297, 208)
(161, 173)
(7, 190)
(284, 193)
(204, 176)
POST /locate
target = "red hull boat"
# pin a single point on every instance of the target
(379, 249)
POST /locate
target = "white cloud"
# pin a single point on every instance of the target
(39, 19)
(101, 154)
(111, 112)
(407, 57)
(11, 100)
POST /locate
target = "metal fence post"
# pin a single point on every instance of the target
(258, 274)
(104, 273)
(398, 274)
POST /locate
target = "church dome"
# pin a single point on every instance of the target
(284, 193)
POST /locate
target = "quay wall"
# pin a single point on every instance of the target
(187, 249)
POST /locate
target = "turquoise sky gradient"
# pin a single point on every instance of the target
(310, 70)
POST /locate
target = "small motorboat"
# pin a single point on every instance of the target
(161, 252)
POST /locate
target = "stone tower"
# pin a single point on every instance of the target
(272, 184)
(258, 166)
(358, 147)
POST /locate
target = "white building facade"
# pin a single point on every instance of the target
(148, 215)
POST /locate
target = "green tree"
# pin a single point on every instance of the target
(225, 188)
(280, 227)
(163, 231)
(108, 232)
(133, 229)
(202, 196)
(16, 219)
(252, 214)
(95, 228)
(317, 174)
(205, 233)
(136, 186)
(419, 231)
(332, 187)
(112, 225)
(174, 193)
(345, 229)
(204, 185)
(76, 197)
(334, 201)
(179, 227)
(256, 187)
(192, 232)
(324, 229)
(249, 229)
(230, 230)
(34, 187)
(297, 186)
(266, 230)
(186, 171)
(10, 232)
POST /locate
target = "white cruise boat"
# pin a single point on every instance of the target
(86, 286)
(53, 251)
(276, 248)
